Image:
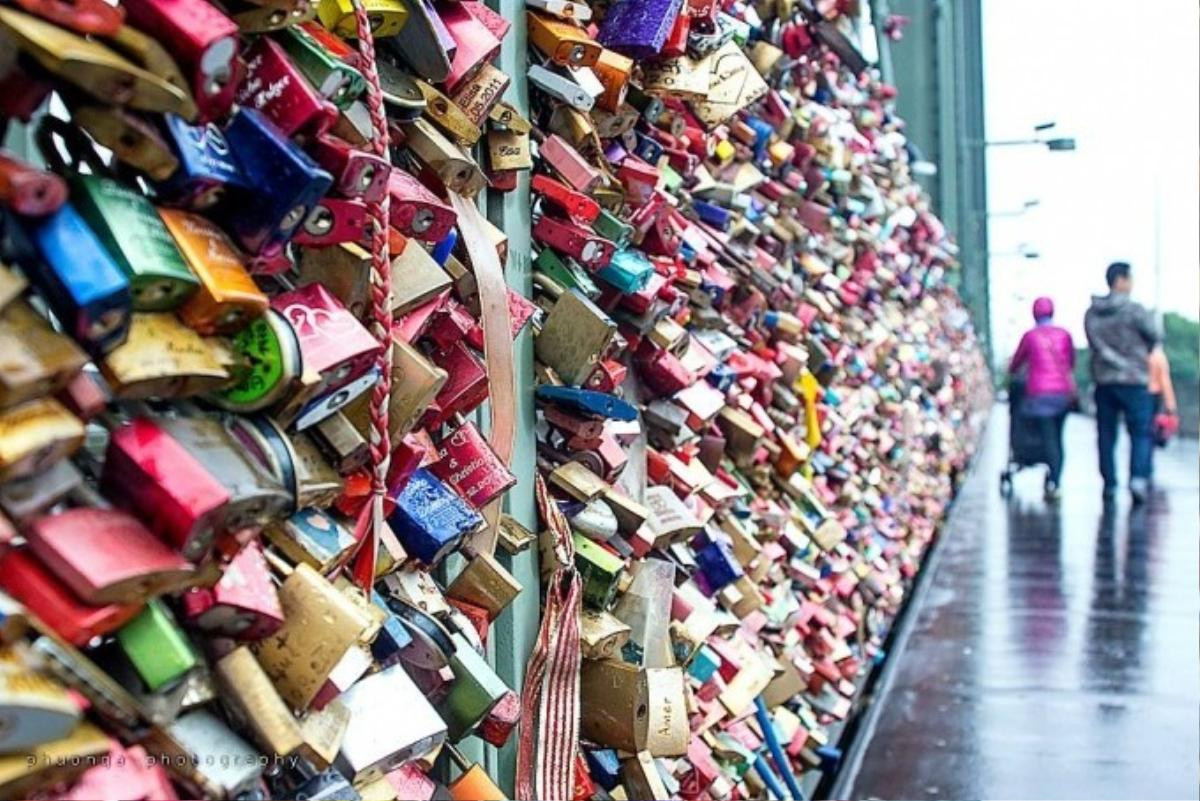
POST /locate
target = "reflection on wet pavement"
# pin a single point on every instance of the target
(1057, 652)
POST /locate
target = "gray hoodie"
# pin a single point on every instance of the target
(1121, 334)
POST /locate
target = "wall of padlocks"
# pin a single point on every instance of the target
(249, 319)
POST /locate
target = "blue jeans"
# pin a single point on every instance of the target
(1132, 400)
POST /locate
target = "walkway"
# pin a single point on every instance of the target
(1055, 654)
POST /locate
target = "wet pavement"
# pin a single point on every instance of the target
(1056, 653)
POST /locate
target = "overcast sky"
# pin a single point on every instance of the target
(1123, 79)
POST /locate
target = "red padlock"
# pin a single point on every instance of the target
(576, 205)
(588, 249)
(27, 190)
(332, 341)
(417, 212)
(466, 388)
(569, 163)
(106, 556)
(88, 17)
(356, 173)
(203, 40)
(277, 88)
(334, 221)
(468, 464)
(243, 604)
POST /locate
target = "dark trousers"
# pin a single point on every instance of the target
(1132, 401)
(1050, 431)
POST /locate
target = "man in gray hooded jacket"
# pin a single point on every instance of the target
(1121, 334)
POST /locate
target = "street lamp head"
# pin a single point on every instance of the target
(1060, 144)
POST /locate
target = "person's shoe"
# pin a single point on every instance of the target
(1053, 493)
(1139, 489)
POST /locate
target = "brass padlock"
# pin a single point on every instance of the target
(248, 692)
(478, 94)
(632, 708)
(163, 358)
(37, 359)
(416, 278)
(574, 336)
(455, 168)
(35, 435)
(320, 625)
(485, 583)
(601, 635)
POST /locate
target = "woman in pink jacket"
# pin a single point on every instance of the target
(1048, 354)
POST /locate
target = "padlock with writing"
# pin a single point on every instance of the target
(320, 625)
(466, 386)
(330, 75)
(477, 95)
(430, 519)
(276, 87)
(632, 708)
(334, 345)
(314, 537)
(468, 464)
(207, 169)
(285, 183)
(266, 362)
(79, 280)
(227, 298)
(204, 41)
(164, 358)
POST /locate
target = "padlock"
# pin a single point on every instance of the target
(477, 95)
(627, 270)
(203, 40)
(680, 77)
(271, 17)
(569, 164)
(164, 358)
(227, 298)
(106, 556)
(79, 280)
(424, 43)
(415, 211)
(601, 635)
(576, 205)
(333, 401)
(320, 625)
(28, 498)
(35, 435)
(27, 580)
(637, 29)
(474, 784)
(266, 362)
(248, 692)
(333, 344)
(599, 570)
(157, 647)
(574, 336)
(468, 464)
(448, 116)
(485, 583)
(334, 221)
(314, 537)
(133, 140)
(207, 169)
(36, 708)
(561, 87)
(465, 388)
(475, 690)
(225, 765)
(431, 520)
(242, 604)
(38, 360)
(331, 76)
(293, 459)
(27, 190)
(285, 184)
(356, 173)
(592, 252)
(374, 744)
(567, 273)
(561, 42)
(609, 226)
(93, 67)
(386, 17)
(416, 278)
(474, 44)
(640, 777)
(452, 166)
(632, 708)
(274, 86)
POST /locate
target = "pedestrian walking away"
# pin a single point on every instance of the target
(1046, 354)
(1121, 335)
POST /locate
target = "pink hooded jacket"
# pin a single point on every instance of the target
(1050, 355)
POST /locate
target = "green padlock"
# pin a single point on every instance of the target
(133, 233)
(613, 228)
(157, 647)
(566, 272)
(333, 78)
(599, 570)
(476, 689)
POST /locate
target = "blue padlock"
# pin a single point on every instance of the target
(208, 170)
(716, 560)
(605, 766)
(77, 276)
(285, 182)
(648, 149)
(718, 217)
(587, 402)
(430, 519)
